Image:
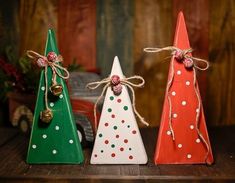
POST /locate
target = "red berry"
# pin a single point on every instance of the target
(130, 157)
(113, 155)
(121, 149)
(106, 141)
(125, 141)
(51, 56)
(115, 80)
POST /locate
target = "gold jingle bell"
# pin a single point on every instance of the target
(46, 116)
(56, 89)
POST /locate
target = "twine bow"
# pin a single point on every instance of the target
(189, 62)
(116, 85)
(52, 60)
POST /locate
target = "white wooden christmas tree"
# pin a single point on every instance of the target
(118, 140)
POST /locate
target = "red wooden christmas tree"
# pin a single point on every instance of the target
(183, 137)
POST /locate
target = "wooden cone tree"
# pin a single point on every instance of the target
(118, 140)
(57, 141)
(182, 101)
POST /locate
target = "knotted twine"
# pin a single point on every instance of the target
(189, 62)
(116, 85)
(52, 61)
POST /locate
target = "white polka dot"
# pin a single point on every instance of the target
(173, 93)
(61, 96)
(44, 136)
(34, 146)
(197, 110)
(168, 132)
(179, 72)
(57, 127)
(54, 151)
(175, 115)
(198, 140)
(52, 104)
(43, 88)
(70, 141)
(187, 83)
(189, 156)
(180, 145)
(191, 127)
(183, 103)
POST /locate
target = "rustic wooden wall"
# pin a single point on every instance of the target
(94, 31)
(77, 31)
(115, 34)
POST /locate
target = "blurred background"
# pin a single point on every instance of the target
(91, 32)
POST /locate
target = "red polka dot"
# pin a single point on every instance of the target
(130, 157)
(106, 124)
(125, 141)
(117, 136)
(113, 155)
(121, 149)
(113, 116)
(119, 100)
(134, 132)
(123, 121)
(95, 155)
(106, 141)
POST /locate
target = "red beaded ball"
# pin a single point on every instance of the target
(41, 62)
(117, 89)
(178, 55)
(115, 80)
(188, 63)
(51, 56)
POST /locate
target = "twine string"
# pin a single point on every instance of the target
(126, 82)
(55, 70)
(196, 60)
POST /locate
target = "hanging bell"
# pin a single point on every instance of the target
(56, 89)
(46, 116)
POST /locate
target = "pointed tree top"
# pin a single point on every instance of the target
(116, 68)
(181, 35)
(51, 44)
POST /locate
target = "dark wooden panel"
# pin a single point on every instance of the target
(9, 26)
(152, 28)
(36, 17)
(77, 31)
(115, 34)
(221, 76)
(14, 168)
(197, 21)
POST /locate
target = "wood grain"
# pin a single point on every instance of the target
(152, 28)
(115, 35)
(14, 169)
(35, 18)
(77, 31)
(221, 85)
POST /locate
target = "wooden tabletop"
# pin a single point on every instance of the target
(13, 148)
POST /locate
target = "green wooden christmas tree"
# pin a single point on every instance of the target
(54, 136)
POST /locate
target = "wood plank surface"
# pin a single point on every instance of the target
(115, 35)
(77, 31)
(35, 18)
(152, 28)
(14, 168)
(221, 86)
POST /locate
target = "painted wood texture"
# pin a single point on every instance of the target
(35, 18)
(77, 31)
(197, 21)
(115, 34)
(221, 77)
(152, 28)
